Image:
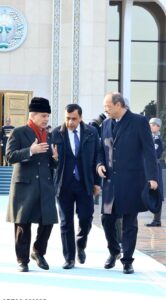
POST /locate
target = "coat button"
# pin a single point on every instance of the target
(48, 165)
(114, 172)
(39, 163)
(48, 178)
(37, 176)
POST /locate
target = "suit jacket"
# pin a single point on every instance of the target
(130, 161)
(5, 133)
(32, 196)
(88, 153)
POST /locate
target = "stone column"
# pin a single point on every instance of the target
(126, 48)
(76, 40)
(55, 63)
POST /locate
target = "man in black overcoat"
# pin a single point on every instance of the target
(127, 161)
(32, 195)
(76, 181)
(155, 125)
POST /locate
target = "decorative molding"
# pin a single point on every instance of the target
(76, 41)
(55, 62)
(13, 28)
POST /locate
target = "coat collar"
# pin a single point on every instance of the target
(31, 135)
(85, 130)
(123, 124)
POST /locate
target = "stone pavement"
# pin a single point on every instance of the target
(151, 240)
(88, 281)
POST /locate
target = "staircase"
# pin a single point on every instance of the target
(5, 178)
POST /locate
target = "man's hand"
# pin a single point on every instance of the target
(96, 190)
(101, 171)
(153, 184)
(38, 148)
(54, 152)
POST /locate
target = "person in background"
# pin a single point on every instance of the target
(97, 123)
(6, 130)
(32, 195)
(76, 181)
(1, 145)
(49, 128)
(127, 161)
(155, 125)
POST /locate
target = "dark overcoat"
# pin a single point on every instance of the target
(158, 143)
(88, 153)
(32, 195)
(130, 161)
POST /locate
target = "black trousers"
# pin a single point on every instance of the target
(157, 216)
(77, 196)
(23, 240)
(129, 235)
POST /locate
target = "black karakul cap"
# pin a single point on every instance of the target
(39, 104)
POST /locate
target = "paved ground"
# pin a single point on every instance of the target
(88, 281)
(151, 240)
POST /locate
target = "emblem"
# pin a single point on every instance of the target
(13, 28)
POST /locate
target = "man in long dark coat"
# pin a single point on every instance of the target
(155, 125)
(32, 196)
(76, 181)
(127, 161)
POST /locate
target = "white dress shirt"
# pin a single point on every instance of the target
(71, 137)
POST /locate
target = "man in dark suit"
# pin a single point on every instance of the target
(6, 129)
(155, 125)
(76, 180)
(32, 196)
(127, 161)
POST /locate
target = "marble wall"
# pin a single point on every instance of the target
(28, 68)
(64, 55)
(92, 57)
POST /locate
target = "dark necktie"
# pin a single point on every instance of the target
(77, 146)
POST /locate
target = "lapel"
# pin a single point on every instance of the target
(85, 133)
(123, 123)
(67, 141)
(108, 132)
(30, 135)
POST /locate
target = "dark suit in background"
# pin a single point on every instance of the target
(71, 191)
(155, 124)
(6, 129)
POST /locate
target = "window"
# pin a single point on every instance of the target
(148, 53)
(144, 72)
(113, 46)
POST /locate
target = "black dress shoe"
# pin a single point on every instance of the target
(154, 224)
(128, 268)
(68, 264)
(41, 262)
(22, 267)
(81, 256)
(110, 262)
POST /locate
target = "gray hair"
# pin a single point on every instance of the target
(117, 97)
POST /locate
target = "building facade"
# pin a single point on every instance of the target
(77, 50)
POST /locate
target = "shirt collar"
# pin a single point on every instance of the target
(78, 128)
